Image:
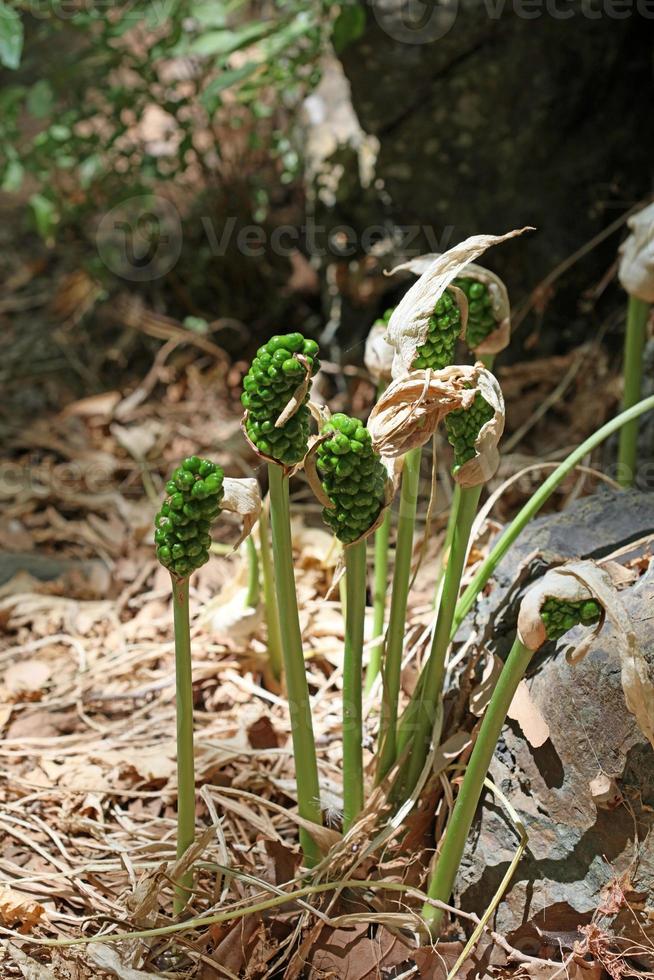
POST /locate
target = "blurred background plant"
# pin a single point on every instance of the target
(150, 92)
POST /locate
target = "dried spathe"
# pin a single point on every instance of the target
(411, 408)
(378, 354)
(409, 325)
(636, 270)
(582, 582)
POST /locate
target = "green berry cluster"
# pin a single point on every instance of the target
(481, 320)
(274, 375)
(195, 492)
(352, 476)
(463, 427)
(559, 616)
(444, 328)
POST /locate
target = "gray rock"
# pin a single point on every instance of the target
(575, 846)
(489, 117)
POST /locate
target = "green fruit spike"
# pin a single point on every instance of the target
(481, 319)
(560, 616)
(352, 476)
(273, 378)
(439, 346)
(195, 492)
(463, 427)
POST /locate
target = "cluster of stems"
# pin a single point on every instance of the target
(353, 479)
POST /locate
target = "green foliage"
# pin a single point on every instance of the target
(559, 616)
(463, 427)
(182, 58)
(195, 492)
(481, 321)
(444, 328)
(11, 36)
(353, 477)
(348, 26)
(274, 376)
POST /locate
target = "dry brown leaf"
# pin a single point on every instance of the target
(27, 677)
(378, 355)
(409, 322)
(102, 404)
(526, 712)
(108, 958)
(242, 497)
(18, 910)
(636, 270)
(605, 791)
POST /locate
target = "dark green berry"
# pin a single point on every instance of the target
(269, 385)
(560, 616)
(352, 476)
(181, 526)
(463, 427)
(439, 346)
(481, 319)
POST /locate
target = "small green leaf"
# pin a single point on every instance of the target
(45, 216)
(221, 43)
(348, 26)
(210, 97)
(40, 99)
(12, 177)
(11, 36)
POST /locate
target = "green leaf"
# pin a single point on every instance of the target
(12, 177)
(40, 99)
(11, 36)
(45, 216)
(210, 97)
(222, 43)
(348, 26)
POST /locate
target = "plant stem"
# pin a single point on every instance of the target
(387, 750)
(447, 543)
(382, 537)
(252, 597)
(535, 503)
(270, 599)
(304, 748)
(185, 764)
(418, 720)
(634, 345)
(382, 540)
(355, 578)
(458, 827)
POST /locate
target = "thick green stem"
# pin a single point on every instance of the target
(533, 505)
(252, 597)
(634, 346)
(418, 721)
(304, 748)
(270, 599)
(380, 585)
(355, 578)
(447, 543)
(458, 827)
(387, 751)
(185, 765)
